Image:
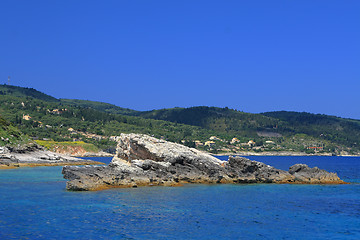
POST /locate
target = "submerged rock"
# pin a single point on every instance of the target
(142, 160)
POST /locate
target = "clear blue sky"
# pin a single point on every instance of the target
(253, 56)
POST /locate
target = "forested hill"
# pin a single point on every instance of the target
(346, 131)
(218, 119)
(25, 92)
(270, 124)
(100, 106)
(68, 121)
(44, 117)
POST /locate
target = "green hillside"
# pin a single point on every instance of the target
(335, 129)
(44, 117)
(292, 130)
(61, 122)
(218, 119)
(25, 92)
(10, 136)
(100, 106)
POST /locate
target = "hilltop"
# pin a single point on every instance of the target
(207, 128)
(25, 92)
(219, 119)
(100, 106)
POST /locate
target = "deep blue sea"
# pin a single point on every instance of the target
(35, 205)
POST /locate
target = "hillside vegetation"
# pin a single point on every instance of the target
(103, 107)
(10, 136)
(208, 128)
(219, 119)
(58, 121)
(283, 126)
(25, 92)
(335, 129)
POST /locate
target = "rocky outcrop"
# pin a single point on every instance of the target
(33, 155)
(79, 151)
(146, 161)
(305, 174)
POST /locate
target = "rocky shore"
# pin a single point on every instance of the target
(79, 151)
(283, 153)
(87, 154)
(33, 156)
(142, 160)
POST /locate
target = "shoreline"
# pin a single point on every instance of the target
(91, 154)
(33, 156)
(205, 182)
(285, 154)
(85, 154)
(34, 164)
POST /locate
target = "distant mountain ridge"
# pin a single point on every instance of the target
(292, 131)
(219, 119)
(78, 120)
(25, 92)
(247, 124)
(101, 106)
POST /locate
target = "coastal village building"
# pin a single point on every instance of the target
(198, 143)
(26, 117)
(316, 148)
(72, 131)
(214, 138)
(251, 143)
(234, 140)
(57, 111)
(210, 143)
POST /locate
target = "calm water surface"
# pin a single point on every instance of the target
(35, 205)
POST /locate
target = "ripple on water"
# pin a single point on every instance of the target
(35, 205)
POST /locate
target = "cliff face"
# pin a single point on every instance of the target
(146, 161)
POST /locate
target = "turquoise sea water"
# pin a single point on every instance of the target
(35, 205)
